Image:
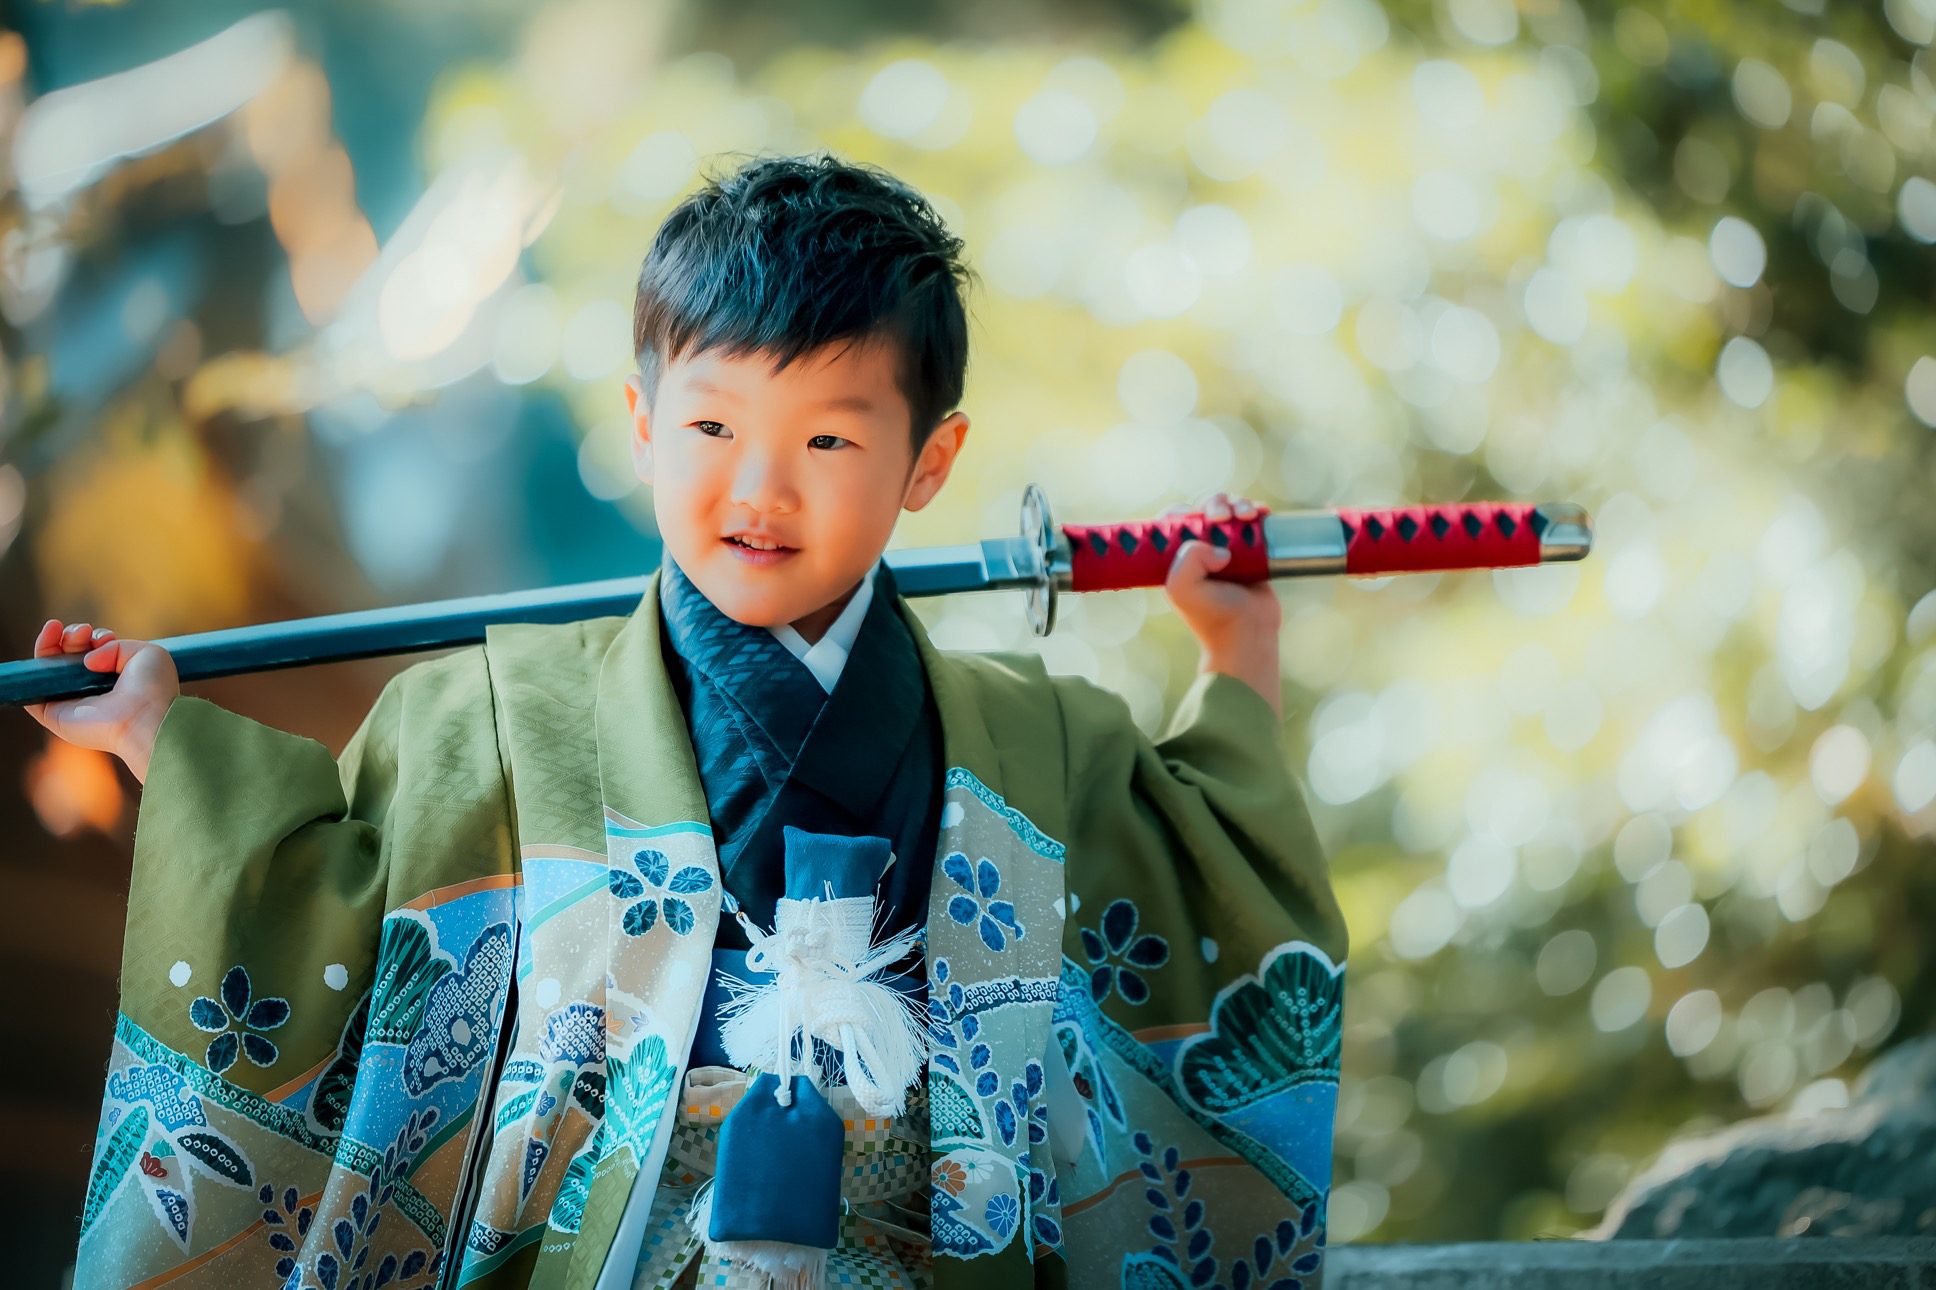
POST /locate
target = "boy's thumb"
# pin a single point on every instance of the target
(1204, 557)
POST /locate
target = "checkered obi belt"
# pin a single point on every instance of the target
(883, 1189)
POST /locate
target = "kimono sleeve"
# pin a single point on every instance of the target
(268, 877)
(256, 848)
(1205, 829)
(1201, 998)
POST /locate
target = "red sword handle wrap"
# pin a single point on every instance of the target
(1419, 539)
(1106, 557)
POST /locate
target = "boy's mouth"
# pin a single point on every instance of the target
(757, 550)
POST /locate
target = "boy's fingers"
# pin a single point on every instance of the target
(112, 656)
(48, 640)
(1210, 504)
(1216, 506)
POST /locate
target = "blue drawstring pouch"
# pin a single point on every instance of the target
(778, 1177)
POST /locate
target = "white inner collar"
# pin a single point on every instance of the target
(827, 656)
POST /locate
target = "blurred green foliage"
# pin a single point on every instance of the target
(1629, 849)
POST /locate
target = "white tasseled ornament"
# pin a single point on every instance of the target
(828, 983)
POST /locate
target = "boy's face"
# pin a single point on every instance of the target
(816, 458)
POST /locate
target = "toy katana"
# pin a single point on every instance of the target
(1044, 560)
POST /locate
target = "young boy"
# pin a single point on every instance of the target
(452, 1009)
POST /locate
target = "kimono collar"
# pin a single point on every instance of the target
(827, 657)
(873, 707)
(761, 680)
(700, 631)
(647, 770)
(965, 738)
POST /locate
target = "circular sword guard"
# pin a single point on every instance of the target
(1039, 533)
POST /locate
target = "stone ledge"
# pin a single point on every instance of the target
(1764, 1263)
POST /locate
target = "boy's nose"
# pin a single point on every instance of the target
(762, 485)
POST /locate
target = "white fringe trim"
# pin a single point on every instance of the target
(786, 1267)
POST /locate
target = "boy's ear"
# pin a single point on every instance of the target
(935, 460)
(641, 413)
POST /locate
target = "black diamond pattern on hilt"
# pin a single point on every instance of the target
(1506, 525)
(1250, 535)
(1440, 525)
(1127, 541)
(1189, 534)
(1159, 540)
(1350, 534)
(1472, 524)
(1098, 543)
(1219, 537)
(1537, 522)
(1407, 528)
(1373, 527)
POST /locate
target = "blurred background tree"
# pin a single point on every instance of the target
(327, 306)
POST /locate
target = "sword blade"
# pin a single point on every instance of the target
(445, 624)
(990, 565)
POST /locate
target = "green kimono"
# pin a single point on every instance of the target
(405, 1019)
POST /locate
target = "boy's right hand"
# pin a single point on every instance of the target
(123, 721)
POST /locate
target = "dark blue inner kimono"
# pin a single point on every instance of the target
(774, 749)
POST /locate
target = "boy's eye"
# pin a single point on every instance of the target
(712, 428)
(832, 441)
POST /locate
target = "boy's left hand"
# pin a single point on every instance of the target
(1237, 623)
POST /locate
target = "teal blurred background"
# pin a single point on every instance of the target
(326, 307)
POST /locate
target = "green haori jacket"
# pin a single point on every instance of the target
(322, 1075)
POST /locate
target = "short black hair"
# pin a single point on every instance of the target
(787, 254)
